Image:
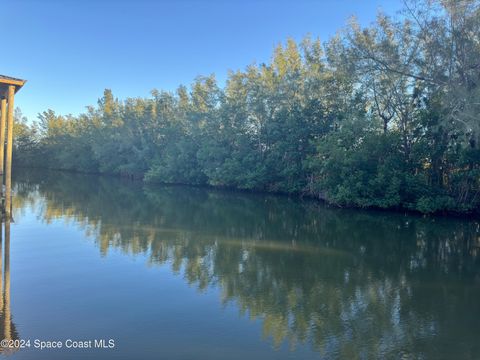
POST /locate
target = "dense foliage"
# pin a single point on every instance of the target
(384, 116)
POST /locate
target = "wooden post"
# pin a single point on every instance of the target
(2, 135)
(3, 120)
(8, 162)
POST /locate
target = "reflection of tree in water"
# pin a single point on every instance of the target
(351, 283)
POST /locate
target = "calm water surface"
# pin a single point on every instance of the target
(186, 273)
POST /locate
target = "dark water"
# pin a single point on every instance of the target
(186, 273)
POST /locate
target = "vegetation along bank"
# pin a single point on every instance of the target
(383, 116)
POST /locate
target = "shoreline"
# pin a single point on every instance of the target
(475, 215)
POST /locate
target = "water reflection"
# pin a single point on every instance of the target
(8, 329)
(351, 284)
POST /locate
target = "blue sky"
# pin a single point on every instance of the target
(69, 51)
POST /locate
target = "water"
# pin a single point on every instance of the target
(187, 273)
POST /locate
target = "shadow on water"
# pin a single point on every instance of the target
(352, 284)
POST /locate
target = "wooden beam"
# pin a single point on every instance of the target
(2, 136)
(16, 82)
(8, 162)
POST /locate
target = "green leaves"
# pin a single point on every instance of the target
(384, 116)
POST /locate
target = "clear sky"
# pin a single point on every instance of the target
(69, 51)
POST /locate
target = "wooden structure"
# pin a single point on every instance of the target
(8, 87)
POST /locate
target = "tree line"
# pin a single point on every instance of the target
(381, 116)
